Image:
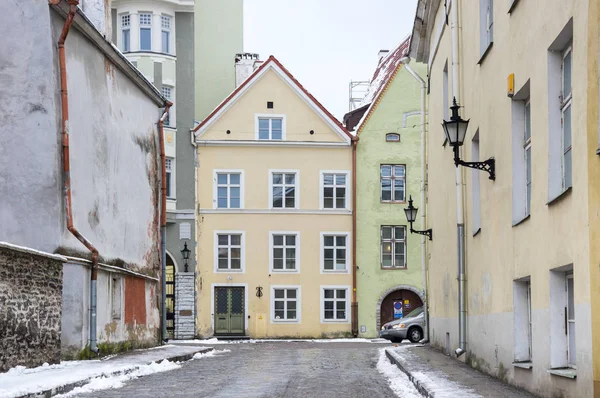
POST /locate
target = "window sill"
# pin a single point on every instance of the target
(562, 195)
(394, 268)
(477, 232)
(521, 221)
(523, 365)
(392, 202)
(569, 373)
(335, 321)
(284, 321)
(598, 151)
(513, 5)
(286, 271)
(229, 271)
(172, 199)
(485, 53)
(329, 271)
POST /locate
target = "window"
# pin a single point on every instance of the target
(285, 304)
(170, 180)
(125, 25)
(165, 24)
(334, 190)
(562, 318)
(334, 252)
(185, 230)
(565, 110)
(167, 92)
(527, 152)
(145, 32)
(476, 196)
(521, 154)
(283, 191)
(522, 320)
(269, 104)
(270, 128)
(445, 97)
(392, 137)
(393, 181)
(116, 298)
(334, 307)
(229, 251)
(571, 337)
(393, 246)
(284, 251)
(486, 25)
(228, 193)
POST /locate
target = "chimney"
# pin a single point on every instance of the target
(245, 64)
(382, 54)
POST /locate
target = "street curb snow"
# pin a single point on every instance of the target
(396, 360)
(70, 386)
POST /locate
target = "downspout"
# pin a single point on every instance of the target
(460, 223)
(163, 218)
(193, 140)
(67, 166)
(405, 61)
(354, 301)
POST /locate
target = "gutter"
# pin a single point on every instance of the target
(354, 301)
(67, 166)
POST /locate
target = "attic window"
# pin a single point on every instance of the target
(392, 137)
(269, 104)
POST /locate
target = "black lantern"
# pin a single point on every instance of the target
(185, 253)
(456, 130)
(411, 216)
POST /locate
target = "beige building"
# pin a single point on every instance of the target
(274, 224)
(526, 75)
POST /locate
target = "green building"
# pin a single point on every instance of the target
(389, 258)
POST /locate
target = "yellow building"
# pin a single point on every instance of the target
(526, 75)
(274, 223)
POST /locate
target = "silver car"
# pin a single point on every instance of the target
(409, 327)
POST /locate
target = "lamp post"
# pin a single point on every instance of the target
(411, 216)
(185, 253)
(456, 129)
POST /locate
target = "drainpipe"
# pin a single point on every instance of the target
(163, 218)
(460, 224)
(193, 140)
(354, 302)
(67, 166)
(405, 61)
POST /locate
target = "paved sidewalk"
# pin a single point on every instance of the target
(438, 375)
(51, 380)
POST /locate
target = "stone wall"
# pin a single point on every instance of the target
(184, 306)
(30, 307)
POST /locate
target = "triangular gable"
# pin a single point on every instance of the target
(273, 64)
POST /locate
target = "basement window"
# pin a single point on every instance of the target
(392, 137)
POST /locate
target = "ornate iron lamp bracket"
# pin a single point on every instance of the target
(487, 165)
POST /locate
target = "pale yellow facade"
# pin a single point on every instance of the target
(550, 247)
(228, 142)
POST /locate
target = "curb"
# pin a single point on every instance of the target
(399, 363)
(69, 387)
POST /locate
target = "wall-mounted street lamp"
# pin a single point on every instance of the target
(411, 216)
(456, 129)
(185, 253)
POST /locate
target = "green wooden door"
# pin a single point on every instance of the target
(229, 310)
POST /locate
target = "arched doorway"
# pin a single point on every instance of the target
(396, 303)
(170, 296)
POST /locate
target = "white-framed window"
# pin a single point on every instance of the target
(475, 188)
(167, 92)
(284, 251)
(563, 347)
(393, 183)
(229, 251)
(170, 166)
(393, 246)
(522, 320)
(116, 297)
(571, 337)
(335, 304)
(521, 154)
(270, 127)
(445, 97)
(145, 20)
(228, 189)
(565, 112)
(334, 189)
(125, 32)
(335, 252)
(284, 189)
(527, 153)
(486, 25)
(286, 304)
(392, 137)
(165, 25)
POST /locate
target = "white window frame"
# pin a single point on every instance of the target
(216, 188)
(145, 26)
(242, 252)
(348, 253)
(522, 321)
(392, 178)
(271, 254)
(296, 189)
(171, 170)
(116, 296)
(347, 186)
(125, 27)
(164, 17)
(322, 303)
(528, 166)
(566, 102)
(486, 28)
(570, 320)
(392, 242)
(258, 116)
(298, 300)
(475, 186)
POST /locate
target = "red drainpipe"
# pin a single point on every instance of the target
(354, 301)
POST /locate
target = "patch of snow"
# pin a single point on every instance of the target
(158, 347)
(209, 354)
(33, 251)
(399, 382)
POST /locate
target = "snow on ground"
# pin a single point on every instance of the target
(106, 382)
(399, 382)
(215, 341)
(209, 354)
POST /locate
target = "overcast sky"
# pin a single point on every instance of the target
(326, 43)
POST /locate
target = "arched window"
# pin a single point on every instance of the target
(392, 137)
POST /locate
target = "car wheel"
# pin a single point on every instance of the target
(415, 335)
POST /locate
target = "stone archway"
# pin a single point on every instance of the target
(411, 291)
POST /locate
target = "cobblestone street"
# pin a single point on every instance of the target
(300, 369)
